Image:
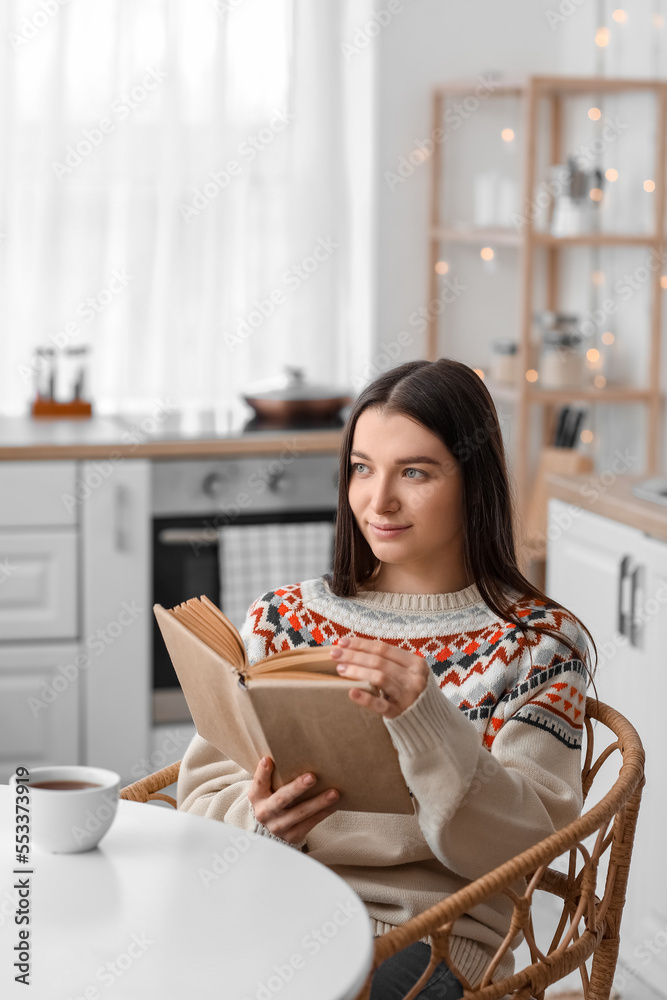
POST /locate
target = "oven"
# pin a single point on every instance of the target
(197, 504)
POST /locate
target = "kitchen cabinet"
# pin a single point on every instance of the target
(37, 494)
(590, 571)
(74, 614)
(38, 588)
(614, 578)
(116, 613)
(39, 703)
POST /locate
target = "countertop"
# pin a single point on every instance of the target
(162, 433)
(611, 496)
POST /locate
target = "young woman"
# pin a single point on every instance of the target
(481, 678)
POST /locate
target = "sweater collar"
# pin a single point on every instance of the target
(420, 602)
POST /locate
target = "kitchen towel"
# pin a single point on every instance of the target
(256, 558)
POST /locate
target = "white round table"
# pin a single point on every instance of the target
(177, 907)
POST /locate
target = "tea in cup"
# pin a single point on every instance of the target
(71, 807)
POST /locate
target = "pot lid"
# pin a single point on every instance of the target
(296, 387)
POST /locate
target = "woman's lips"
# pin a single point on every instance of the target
(388, 532)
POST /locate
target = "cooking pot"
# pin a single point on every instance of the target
(298, 401)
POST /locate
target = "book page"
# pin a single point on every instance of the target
(210, 684)
(210, 630)
(229, 627)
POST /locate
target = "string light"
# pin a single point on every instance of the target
(602, 37)
(607, 337)
(649, 186)
(620, 16)
(507, 134)
(599, 381)
(480, 372)
(442, 267)
(594, 114)
(531, 375)
(486, 253)
(593, 354)
(586, 436)
(595, 194)
(663, 281)
(658, 20)
(597, 277)
(420, 154)
(611, 174)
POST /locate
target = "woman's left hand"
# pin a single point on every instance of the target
(399, 675)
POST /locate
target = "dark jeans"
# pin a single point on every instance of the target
(399, 973)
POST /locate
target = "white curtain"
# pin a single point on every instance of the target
(174, 192)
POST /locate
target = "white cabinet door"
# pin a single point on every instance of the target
(37, 494)
(117, 615)
(590, 566)
(39, 721)
(38, 584)
(648, 873)
(612, 576)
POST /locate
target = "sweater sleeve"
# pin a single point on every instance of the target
(210, 784)
(480, 802)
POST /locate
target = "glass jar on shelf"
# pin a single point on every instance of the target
(504, 362)
(561, 364)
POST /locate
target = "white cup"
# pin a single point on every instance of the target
(67, 821)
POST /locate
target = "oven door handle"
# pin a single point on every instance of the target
(188, 536)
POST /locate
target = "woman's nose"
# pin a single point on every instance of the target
(383, 498)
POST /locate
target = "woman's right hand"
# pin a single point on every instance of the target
(275, 811)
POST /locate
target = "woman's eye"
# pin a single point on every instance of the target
(419, 474)
(357, 466)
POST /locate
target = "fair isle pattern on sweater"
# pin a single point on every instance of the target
(474, 655)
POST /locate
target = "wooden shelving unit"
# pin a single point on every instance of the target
(529, 241)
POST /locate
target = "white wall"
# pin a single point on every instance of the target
(431, 42)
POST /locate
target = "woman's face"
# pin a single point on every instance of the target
(405, 491)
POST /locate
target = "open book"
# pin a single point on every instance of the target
(291, 706)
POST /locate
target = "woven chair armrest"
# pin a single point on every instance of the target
(148, 787)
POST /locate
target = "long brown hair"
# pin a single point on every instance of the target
(450, 400)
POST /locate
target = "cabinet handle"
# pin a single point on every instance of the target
(636, 624)
(624, 596)
(121, 508)
(188, 536)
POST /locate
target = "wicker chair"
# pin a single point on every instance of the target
(589, 924)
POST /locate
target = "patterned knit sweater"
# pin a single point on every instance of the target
(491, 751)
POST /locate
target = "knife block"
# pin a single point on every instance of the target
(50, 409)
(564, 462)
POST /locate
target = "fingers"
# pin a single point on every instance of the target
(261, 787)
(261, 782)
(283, 797)
(284, 821)
(399, 684)
(363, 667)
(368, 660)
(378, 657)
(376, 703)
(301, 830)
(274, 810)
(384, 650)
(376, 669)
